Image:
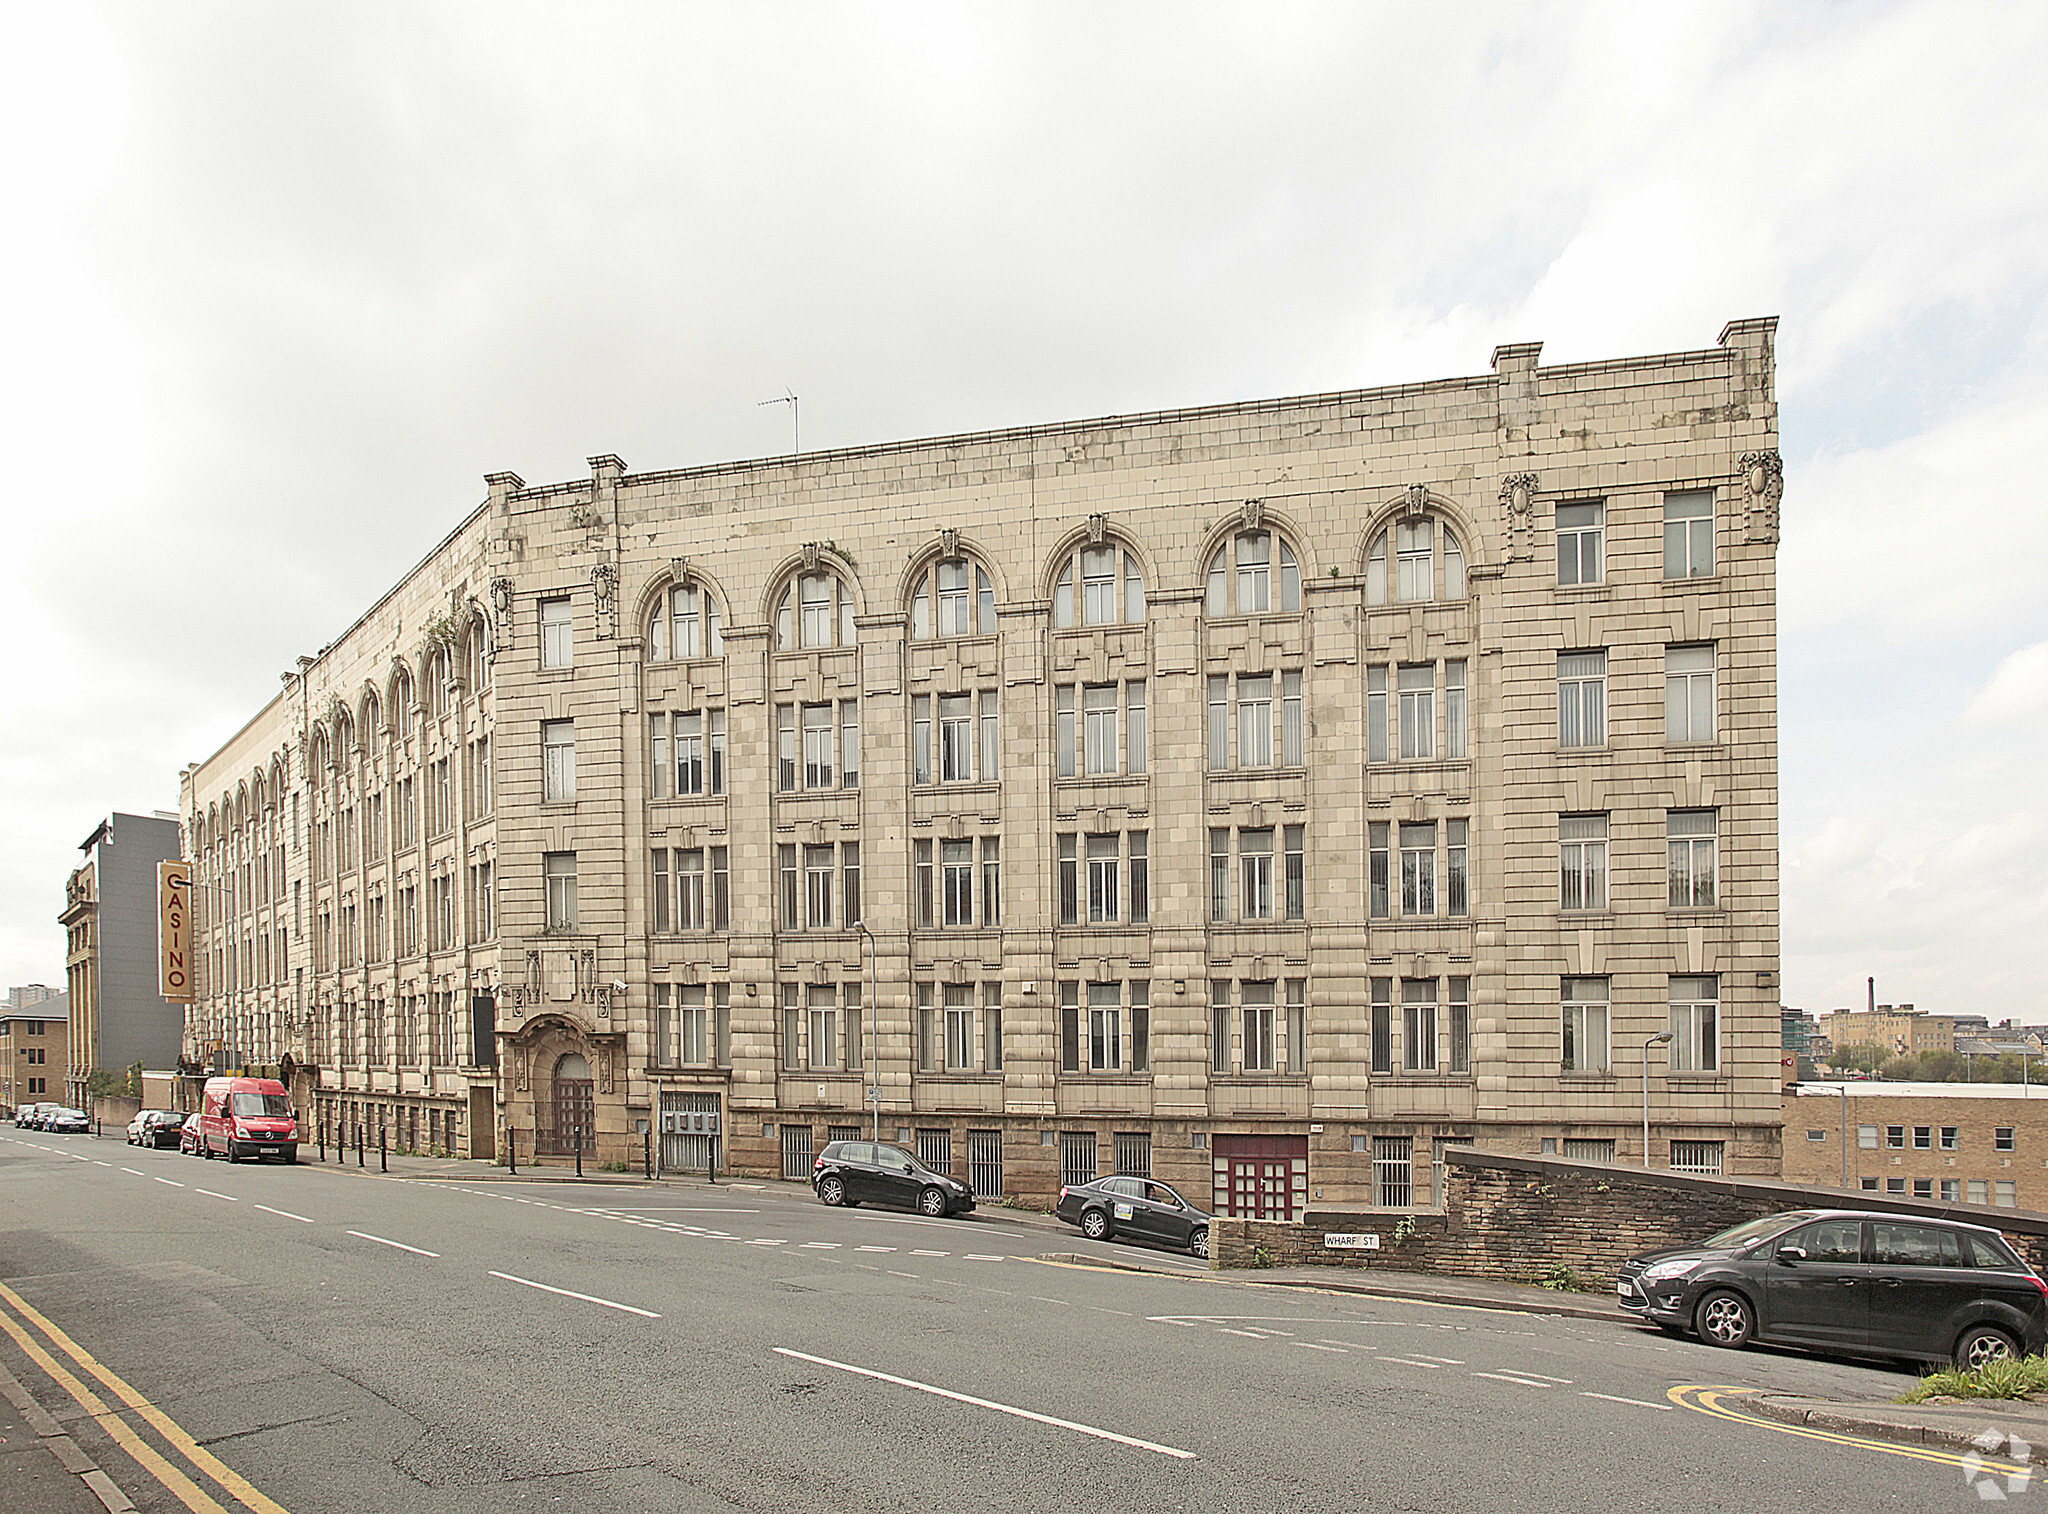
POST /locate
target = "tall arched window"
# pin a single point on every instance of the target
(686, 624)
(816, 610)
(477, 653)
(344, 736)
(436, 676)
(1254, 573)
(1111, 586)
(370, 721)
(402, 700)
(1427, 563)
(964, 599)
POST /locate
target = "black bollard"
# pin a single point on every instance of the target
(579, 1151)
(359, 1143)
(647, 1152)
(512, 1150)
(383, 1150)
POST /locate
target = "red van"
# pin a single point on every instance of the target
(247, 1117)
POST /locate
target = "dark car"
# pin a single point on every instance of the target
(66, 1122)
(1138, 1208)
(189, 1139)
(156, 1127)
(1861, 1283)
(861, 1172)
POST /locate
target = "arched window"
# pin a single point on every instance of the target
(1112, 586)
(402, 700)
(816, 610)
(963, 595)
(436, 676)
(1252, 574)
(686, 624)
(370, 720)
(317, 763)
(344, 736)
(1428, 563)
(476, 651)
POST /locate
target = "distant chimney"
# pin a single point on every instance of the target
(1871, 985)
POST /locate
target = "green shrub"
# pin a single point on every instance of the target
(2021, 1377)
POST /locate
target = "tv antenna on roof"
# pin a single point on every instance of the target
(788, 397)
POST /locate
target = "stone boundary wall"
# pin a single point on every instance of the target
(1524, 1219)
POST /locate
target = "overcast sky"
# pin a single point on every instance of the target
(283, 281)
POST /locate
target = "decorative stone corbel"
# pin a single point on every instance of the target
(1252, 517)
(812, 551)
(1098, 527)
(501, 602)
(1518, 500)
(1416, 502)
(604, 589)
(949, 542)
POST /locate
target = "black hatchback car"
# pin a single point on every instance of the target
(1861, 1283)
(1139, 1208)
(862, 1172)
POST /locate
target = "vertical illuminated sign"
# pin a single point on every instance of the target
(174, 931)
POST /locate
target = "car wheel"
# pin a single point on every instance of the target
(1198, 1243)
(234, 1155)
(1094, 1224)
(1725, 1319)
(1981, 1345)
(831, 1191)
(931, 1201)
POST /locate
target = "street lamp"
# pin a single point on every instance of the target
(1657, 1040)
(874, 1034)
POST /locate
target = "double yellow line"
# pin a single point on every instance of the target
(123, 1434)
(1707, 1399)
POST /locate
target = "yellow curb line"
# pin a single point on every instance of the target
(1709, 1402)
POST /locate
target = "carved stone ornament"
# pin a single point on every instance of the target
(1417, 501)
(812, 549)
(501, 601)
(949, 543)
(1098, 527)
(586, 969)
(679, 571)
(1253, 516)
(1518, 493)
(1763, 479)
(604, 588)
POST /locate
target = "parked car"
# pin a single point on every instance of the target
(62, 1121)
(25, 1118)
(1857, 1282)
(859, 1172)
(40, 1115)
(190, 1138)
(1140, 1209)
(156, 1127)
(247, 1117)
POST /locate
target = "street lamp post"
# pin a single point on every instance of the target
(1657, 1040)
(874, 1035)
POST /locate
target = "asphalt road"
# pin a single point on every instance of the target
(347, 1343)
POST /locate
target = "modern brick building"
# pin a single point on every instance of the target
(118, 1017)
(1263, 795)
(1959, 1143)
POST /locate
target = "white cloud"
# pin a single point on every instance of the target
(2018, 690)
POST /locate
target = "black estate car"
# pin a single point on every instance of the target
(1861, 1283)
(1139, 1208)
(860, 1172)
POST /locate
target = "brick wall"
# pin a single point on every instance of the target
(1528, 1219)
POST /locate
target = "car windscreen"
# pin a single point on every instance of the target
(272, 1105)
(1749, 1232)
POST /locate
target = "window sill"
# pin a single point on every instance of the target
(1573, 1075)
(956, 1075)
(1585, 916)
(1692, 748)
(990, 786)
(1600, 590)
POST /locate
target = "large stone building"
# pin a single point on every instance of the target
(1264, 795)
(118, 1015)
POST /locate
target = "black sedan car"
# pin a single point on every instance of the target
(860, 1172)
(66, 1122)
(1138, 1208)
(1861, 1283)
(156, 1128)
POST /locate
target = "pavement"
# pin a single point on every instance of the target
(1958, 1426)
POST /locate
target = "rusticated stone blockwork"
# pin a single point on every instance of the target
(1534, 1219)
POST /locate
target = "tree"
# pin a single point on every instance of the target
(1857, 1058)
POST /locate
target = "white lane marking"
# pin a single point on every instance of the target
(133, 1173)
(1099, 1309)
(1312, 1346)
(1041, 1299)
(820, 1246)
(172, 1182)
(1402, 1361)
(975, 1256)
(919, 1277)
(212, 1195)
(1247, 1334)
(1448, 1361)
(989, 1403)
(764, 1243)
(931, 1253)
(588, 1298)
(286, 1213)
(669, 1209)
(98, 1163)
(366, 1236)
(1543, 1377)
(1639, 1403)
(1519, 1382)
(874, 1248)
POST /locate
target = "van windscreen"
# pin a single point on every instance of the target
(271, 1105)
